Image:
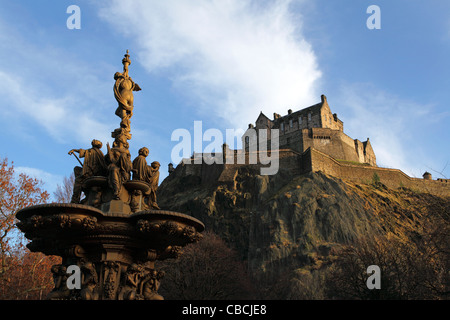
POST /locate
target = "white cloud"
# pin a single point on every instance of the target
(46, 86)
(60, 117)
(50, 181)
(234, 57)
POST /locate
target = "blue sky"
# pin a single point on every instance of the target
(222, 62)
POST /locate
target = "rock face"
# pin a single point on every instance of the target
(285, 224)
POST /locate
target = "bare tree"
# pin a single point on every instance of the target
(408, 270)
(63, 193)
(206, 270)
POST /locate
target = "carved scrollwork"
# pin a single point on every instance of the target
(191, 234)
(89, 223)
(171, 252)
(36, 221)
(169, 228)
(63, 220)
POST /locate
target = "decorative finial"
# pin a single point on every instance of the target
(126, 62)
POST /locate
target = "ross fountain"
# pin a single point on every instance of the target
(109, 240)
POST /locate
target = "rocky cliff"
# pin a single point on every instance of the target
(286, 225)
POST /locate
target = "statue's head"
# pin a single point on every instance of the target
(143, 151)
(155, 165)
(96, 144)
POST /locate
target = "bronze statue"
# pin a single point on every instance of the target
(150, 174)
(153, 181)
(119, 167)
(60, 291)
(140, 166)
(150, 285)
(89, 281)
(93, 165)
(123, 92)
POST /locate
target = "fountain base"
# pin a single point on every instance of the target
(114, 253)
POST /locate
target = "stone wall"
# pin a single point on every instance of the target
(392, 178)
(313, 160)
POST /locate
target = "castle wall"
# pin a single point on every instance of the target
(360, 151)
(392, 178)
(332, 142)
(315, 160)
(369, 154)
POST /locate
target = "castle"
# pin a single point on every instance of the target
(313, 127)
(309, 140)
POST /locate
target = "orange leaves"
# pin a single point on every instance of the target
(27, 276)
(17, 192)
(22, 273)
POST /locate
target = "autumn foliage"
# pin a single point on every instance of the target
(23, 274)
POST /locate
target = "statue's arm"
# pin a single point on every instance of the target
(74, 150)
(136, 87)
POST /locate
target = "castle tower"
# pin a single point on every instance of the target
(427, 176)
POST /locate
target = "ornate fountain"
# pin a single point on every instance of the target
(114, 235)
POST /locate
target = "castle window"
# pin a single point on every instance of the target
(282, 127)
(299, 121)
(290, 123)
(309, 116)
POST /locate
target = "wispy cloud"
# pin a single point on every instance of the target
(59, 116)
(47, 87)
(50, 181)
(397, 127)
(234, 58)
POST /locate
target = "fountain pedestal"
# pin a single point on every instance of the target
(115, 253)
